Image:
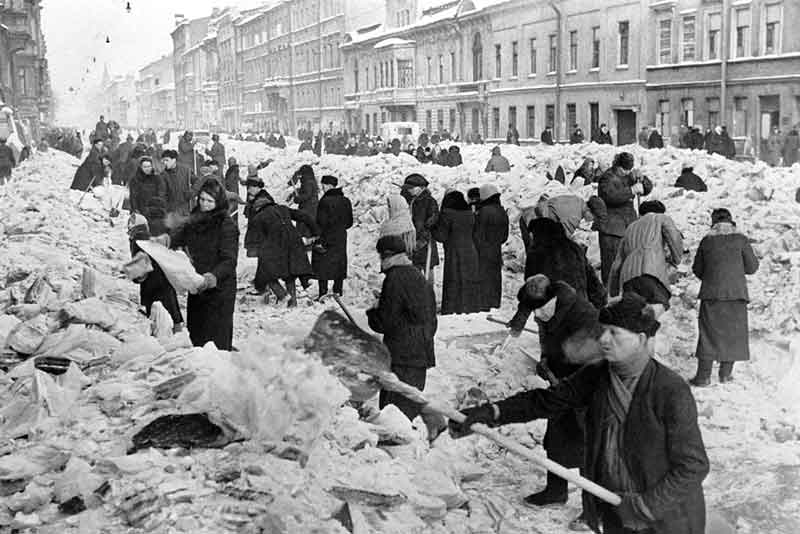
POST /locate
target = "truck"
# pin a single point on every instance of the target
(406, 132)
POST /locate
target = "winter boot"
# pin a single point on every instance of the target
(291, 288)
(725, 372)
(555, 492)
(703, 376)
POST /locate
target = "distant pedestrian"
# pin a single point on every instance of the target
(305, 195)
(498, 162)
(655, 140)
(791, 146)
(217, 152)
(577, 136)
(723, 258)
(7, 161)
(424, 214)
(689, 180)
(603, 136)
(491, 231)
(547, 136)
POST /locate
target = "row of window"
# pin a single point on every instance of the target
(712, 107)
(741, 35)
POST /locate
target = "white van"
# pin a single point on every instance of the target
(406, 132)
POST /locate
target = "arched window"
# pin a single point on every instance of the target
(477, 58)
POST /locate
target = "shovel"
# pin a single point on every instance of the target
(504, 323)
(361, 361)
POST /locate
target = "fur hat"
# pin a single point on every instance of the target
(329, 180)
(169, 153)
(631, 313)
(254, 182)
(389, 245)
(415, 180)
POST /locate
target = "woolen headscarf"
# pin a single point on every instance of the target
(399, 222)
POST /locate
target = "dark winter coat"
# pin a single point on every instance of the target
(307, 200)
(6, 160)
(655, 140)
(217, 153)
(791, 146)
(689, 180)
(723, 258)
(334, 218)
(406, 316)
(454, 158)
(89, 173)
(662, 446)
(424, 214)
(560, 258)
(281, 250)
(252, 237)
(232, 179)
(715, 144)
(547, 137)
(603, 138)
(186, 155)
(120, 158)
(148, 196)
(461, 279)
(614, 188)
(576, 138)
(179, 182)
(491, 231)
(102, 131)
(212, 242)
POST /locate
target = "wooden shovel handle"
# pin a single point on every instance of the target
(390, 382)
(500, 321)
(344, 308)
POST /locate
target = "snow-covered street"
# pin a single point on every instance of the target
(300, 454)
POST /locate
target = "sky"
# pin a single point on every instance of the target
(75, 32)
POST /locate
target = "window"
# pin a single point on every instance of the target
(498, 61)
(688, 45)
(549, 115)
(439, 120)
(533, 54)
(366, 120)
(374, 124)
(552, 64)
(665, 41)
(624, 42)
(772, 25)
(453, 67)
(495, 122)
(741, 29)
(594, 117)
(355, 74)
(596, 47)
(687, 111)
(662, 117)
(441, 68)
(740, 116)
(512, 116)
(405, 73)
(530, 113)
(714, 25)
(429, 71)
(429, 121)
(452, 120)
(383, 117)
(573, 50)
(572, 116)
(477, 58)
(515, 59)
(713, 112)
(23, 85)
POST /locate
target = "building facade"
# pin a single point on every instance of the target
(189, 68)
(24, 75)
(120, 104)
(727, 63)
(155, 94)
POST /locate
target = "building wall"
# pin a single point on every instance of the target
(760, 81)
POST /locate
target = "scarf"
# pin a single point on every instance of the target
(398, 260)
(399, 223)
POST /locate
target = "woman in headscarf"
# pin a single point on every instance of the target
(723, 258)
(399, 223)
(454, 228)
(211, 240)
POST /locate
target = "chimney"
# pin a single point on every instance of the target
(179, 18)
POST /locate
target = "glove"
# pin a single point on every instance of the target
(479, 414)
(209, 281)
(637, 189)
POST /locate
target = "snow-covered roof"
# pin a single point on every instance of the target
(393, 41)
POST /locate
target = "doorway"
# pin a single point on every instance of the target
(769, 118)
(476, 121)
(626, 127)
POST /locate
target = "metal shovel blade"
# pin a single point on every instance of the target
(351, 354)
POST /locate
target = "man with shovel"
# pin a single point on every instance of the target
(406, 316)
(642, 437)
(568, 331)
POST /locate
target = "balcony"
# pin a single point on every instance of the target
(406, 96)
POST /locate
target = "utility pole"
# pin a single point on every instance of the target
(559, 39)
(320, 59)
(291, 72)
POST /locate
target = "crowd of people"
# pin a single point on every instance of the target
(596, 332)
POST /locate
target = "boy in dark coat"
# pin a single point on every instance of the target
(567, 323)
(642, 437)
(329, 254)
(424, 214)
(723, 258)
(655, 140)
(281, 252)
(455, 228)
(689, 180)
(90, 171)
(617, 188)
(406, 316)
(148, 194)
(491, 231)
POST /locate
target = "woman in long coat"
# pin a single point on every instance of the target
(329, 255)
(723, 259)
(282, 255)
(306, 196)
(491, 231)
(460, 286)
(399, 223)
(212, 242)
